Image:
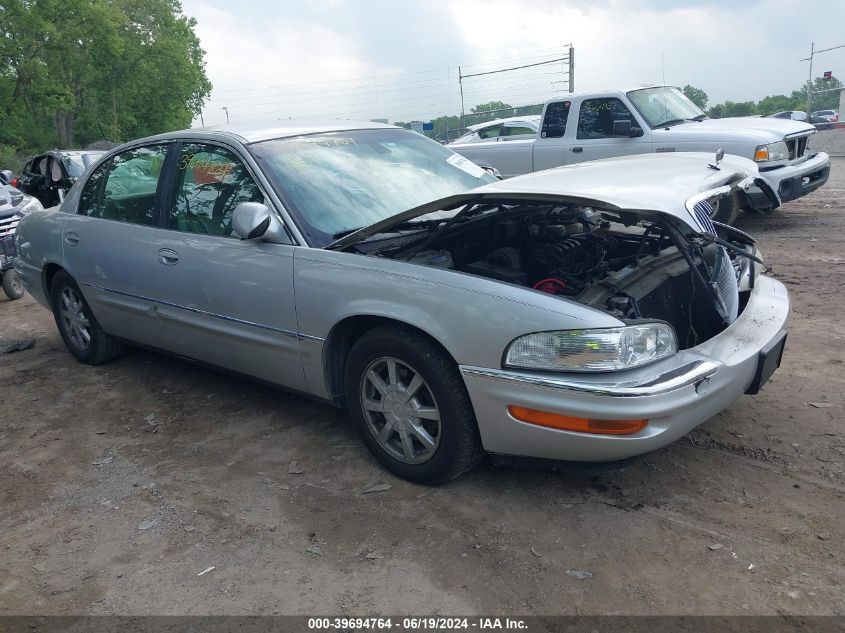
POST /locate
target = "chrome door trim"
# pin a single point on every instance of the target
(289, 333)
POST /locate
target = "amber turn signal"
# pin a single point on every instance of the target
(578, 425)
(762, 153)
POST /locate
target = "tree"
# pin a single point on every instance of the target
(825, 93)
(73, 71)
(485, 111)
(696, 95)
(731, 108)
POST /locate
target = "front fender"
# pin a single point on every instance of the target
(473, 318)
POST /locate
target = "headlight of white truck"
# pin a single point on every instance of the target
(606, 349)
(771, 152)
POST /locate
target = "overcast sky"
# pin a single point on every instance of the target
(364, 59)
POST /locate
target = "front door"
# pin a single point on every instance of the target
(594, 137)
(222, 300)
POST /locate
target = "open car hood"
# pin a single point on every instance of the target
(658, 183)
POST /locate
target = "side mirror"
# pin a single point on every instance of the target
(254, 221)
(626, 128)
(622, 127)
(6, 176)
(250, 220)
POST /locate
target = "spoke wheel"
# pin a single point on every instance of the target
(400, 410)
(12, 285)
(76, 324)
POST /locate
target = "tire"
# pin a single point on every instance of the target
(12, 285)
(80, 330)
(453, 445)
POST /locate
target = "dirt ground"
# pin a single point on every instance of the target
(120, 484)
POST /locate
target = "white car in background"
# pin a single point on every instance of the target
(509, 129)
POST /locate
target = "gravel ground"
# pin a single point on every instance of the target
(120, 484)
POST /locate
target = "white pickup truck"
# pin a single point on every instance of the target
(591, 126)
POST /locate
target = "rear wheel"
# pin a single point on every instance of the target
(410, 405)
(12, 285)
(80, 331)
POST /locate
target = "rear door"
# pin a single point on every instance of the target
(108, 242)
(594, 137)
(222, 300)
(34, 177)
(551, 147)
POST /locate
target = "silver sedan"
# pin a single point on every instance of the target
(591, 312)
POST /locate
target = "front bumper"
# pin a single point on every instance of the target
(793, 181)
(675, 395)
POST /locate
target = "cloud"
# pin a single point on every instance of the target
(382, 58)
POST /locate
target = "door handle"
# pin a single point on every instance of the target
(71, 238)
(577, 149)
(168, 257)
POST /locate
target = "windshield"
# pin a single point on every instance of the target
(662, 105)
(335, 183)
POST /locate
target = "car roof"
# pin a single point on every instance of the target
(528, 117)
(255, 132)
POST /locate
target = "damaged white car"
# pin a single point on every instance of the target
(591, 312)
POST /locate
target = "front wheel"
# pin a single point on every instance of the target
(80, 331)
(12, 285)
(410, 405)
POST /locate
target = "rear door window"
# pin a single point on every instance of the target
(554, 122)
(130, 188)
(90, 198)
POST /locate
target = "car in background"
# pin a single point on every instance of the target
(13, 206)
(50, 176)
(824, 119)
(793, 115)
(591, 312)
(509, 129)
(578, 128)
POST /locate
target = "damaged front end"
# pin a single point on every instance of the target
(637, 265)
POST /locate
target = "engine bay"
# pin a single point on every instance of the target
(618, 262)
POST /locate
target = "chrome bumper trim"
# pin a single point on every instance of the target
(694, 373)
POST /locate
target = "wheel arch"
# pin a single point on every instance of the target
(48, 273)
(345, 334)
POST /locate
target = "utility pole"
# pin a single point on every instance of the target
(810, 82)
(571, 69)
(813, 52)
(226, 110)
(461, 84)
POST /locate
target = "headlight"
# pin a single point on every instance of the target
(772, 151)
(32, 205)
(608, 349)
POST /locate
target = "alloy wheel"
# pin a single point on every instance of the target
(400, 410)
(72, 312)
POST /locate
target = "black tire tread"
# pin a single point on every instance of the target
(104, 347)
(468, 451)
(8, 285)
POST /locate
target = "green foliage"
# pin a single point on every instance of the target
(731, 108)
(796, 100)
(696, 95)
(75, 71)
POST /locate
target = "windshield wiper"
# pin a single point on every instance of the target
(699, 117)
(671, 122)
(346, 232)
